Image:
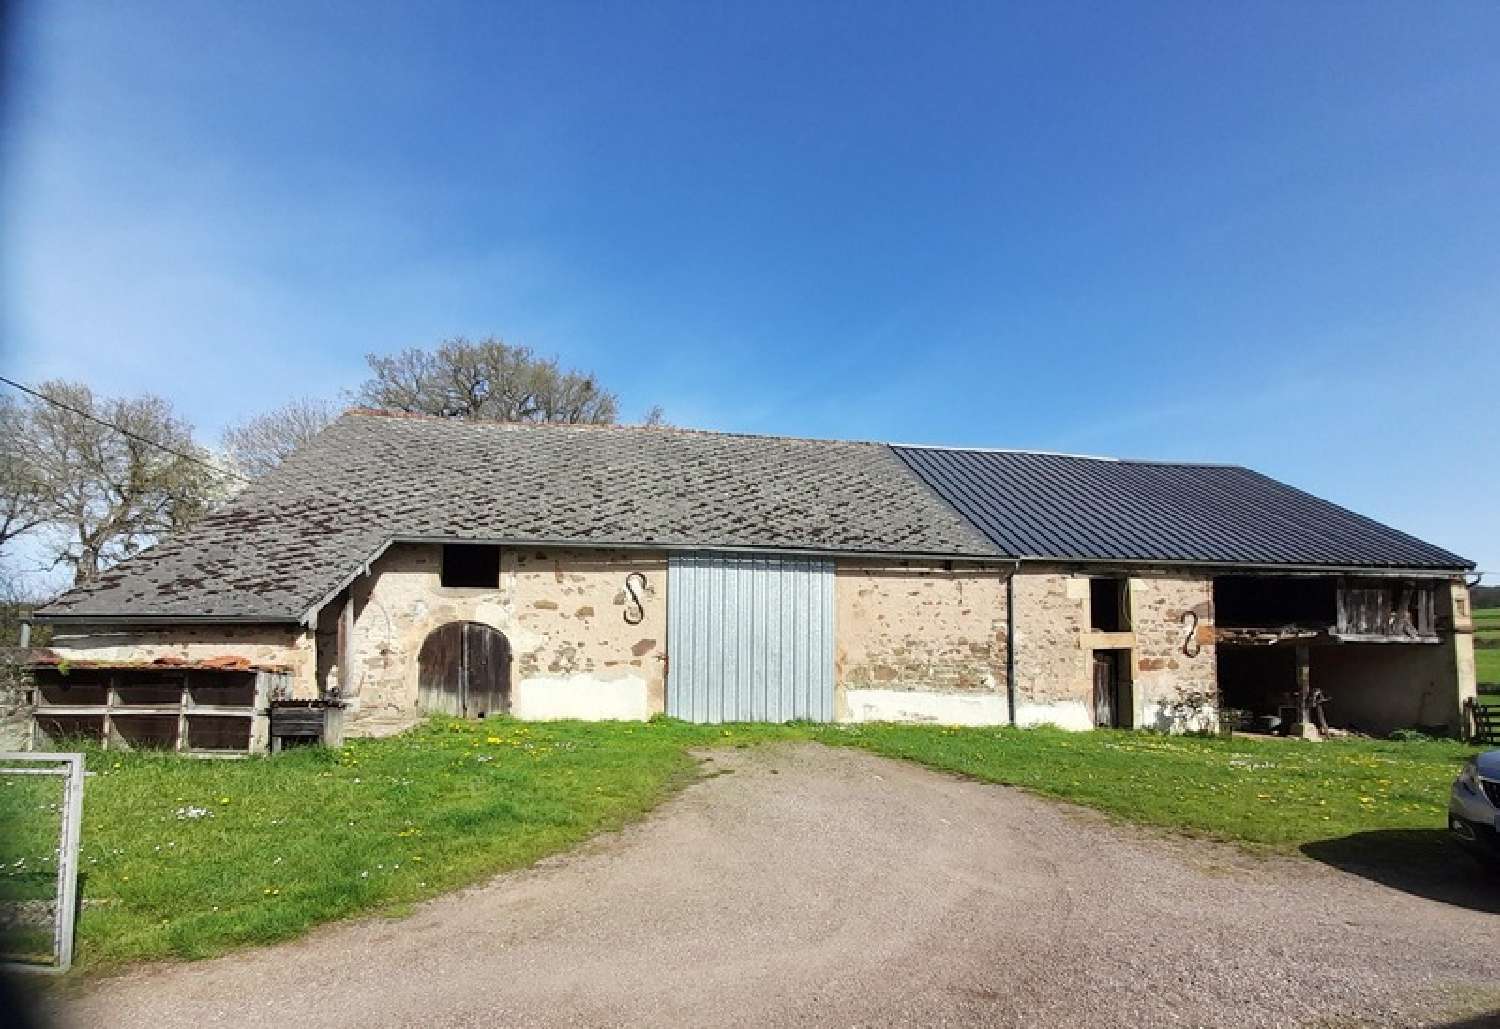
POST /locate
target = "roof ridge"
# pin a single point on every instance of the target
(370, 412)
(1062, 453)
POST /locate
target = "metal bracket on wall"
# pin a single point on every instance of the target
(635, 609)
(1190, 645)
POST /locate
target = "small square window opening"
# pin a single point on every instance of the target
(469, 565)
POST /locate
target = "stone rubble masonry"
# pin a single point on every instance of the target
(928, 643)
(15, 715)
(902, 626)
(563, 612)
(1052, 671)
(1055, 643)
(1459, 609)
(1173, 622)
(922, 641)
(919, 627)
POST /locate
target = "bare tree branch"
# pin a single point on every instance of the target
(22, 492)
(104, 494)
(489, 380)
(260, 444)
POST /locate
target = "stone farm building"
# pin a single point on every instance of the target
(398, 566)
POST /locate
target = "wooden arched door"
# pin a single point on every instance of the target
(464, 670)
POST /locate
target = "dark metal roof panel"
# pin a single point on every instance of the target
(1083, 508)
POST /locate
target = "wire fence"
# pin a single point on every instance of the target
(41, 807)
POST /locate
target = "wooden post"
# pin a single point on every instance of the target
(346, 645)
(260, 714)
(182, 714)
(1304, 690)
(110, 693)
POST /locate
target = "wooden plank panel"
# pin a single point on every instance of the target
(145, 732)
(217, 733)
(297, 721)
(440, 671)
(1104, 691)
(486, 671)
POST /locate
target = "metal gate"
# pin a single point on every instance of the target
(749, 639)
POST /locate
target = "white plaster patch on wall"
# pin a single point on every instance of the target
(377, 729)
(581, 696)
(1157, 716)
(1065, 714)
(922, 706)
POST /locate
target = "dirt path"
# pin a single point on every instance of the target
(823, 886)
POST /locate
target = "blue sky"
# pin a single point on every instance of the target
(1264, 234)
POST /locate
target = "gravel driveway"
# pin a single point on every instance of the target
(824, 886)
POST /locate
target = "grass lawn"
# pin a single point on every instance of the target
(1276, 793)
(189, 858)
(1487, 644)
(184, 858)
(28, 863)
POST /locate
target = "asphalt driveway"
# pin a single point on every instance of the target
(814, 886)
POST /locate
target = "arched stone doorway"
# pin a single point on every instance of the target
(463, 669)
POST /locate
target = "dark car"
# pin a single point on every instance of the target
(1474, 805)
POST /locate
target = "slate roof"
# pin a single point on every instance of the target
(291, 539)
(1034, 505)
(298, 534)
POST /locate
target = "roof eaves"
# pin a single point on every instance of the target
(309, 608)
(84, 618)
(1263, 567)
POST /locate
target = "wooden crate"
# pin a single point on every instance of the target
(302, 723)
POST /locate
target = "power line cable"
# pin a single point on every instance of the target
(124, 431)
(259, 483)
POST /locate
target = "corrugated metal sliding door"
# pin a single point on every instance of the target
(749, 639)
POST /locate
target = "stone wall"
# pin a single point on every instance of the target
(920, 642)
(1055, 644)
(1172, 621)
(15, 713)
(916, 641)
(1053, 681)
(925, 643)
(1454, 602)
(573, 653)
(1377, 687)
